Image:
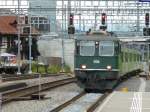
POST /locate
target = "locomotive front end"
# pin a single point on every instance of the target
(96, 63)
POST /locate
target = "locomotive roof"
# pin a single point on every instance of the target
(97, 37)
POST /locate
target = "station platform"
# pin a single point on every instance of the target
(126, 102)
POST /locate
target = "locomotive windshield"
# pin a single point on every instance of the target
(87, 48)
(106, 48)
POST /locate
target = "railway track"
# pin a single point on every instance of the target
(91, 108)
(29, 90)
(7, 77)
(64, 105)
(98, 102)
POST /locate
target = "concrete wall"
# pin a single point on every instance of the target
(54, 48)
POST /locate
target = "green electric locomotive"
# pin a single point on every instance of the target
(101, 60)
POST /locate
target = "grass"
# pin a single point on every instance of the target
(53, 69)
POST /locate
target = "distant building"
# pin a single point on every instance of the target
(6, 12)
(9, 34)
(41, 23)
(45, 12)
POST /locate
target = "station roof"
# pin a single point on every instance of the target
(5, 25)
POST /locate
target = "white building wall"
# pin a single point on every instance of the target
(53, 48)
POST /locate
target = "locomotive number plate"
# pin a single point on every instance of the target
(96, 61)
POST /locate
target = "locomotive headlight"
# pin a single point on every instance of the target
(83, 66)
(109, 67)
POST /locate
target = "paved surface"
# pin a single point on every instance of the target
(136, 99)
(132, 84)
(147, 89)
(126, 102)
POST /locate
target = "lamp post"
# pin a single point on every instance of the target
(18, 19)
(30, 57)
(148, 59)
(30, 44)
(138, 20)
(62, 42)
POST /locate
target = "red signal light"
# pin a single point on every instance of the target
(103, 20)
(71, 19)
(103, 17)
(147, 19)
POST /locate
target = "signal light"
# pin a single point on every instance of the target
(26, 20)
(146, 31)
(71, 19)
(103, 28)
(147, 19)
(103, 19)
(71, 30)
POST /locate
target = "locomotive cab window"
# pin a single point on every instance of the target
(77, 48)
(87, 48)
(117, 48)
(106, 48)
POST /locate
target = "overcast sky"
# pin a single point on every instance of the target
(13, 3)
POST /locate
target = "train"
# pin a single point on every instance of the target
(102, 60)
(9, 65)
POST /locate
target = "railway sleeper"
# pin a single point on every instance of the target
(32, 97)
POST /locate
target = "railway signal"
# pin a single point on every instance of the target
(103, 19)
(71, 19)
(71, 28)
(26, 20)
(103, 22)
(146, 31)
(147, 19)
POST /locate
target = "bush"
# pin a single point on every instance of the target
(67, 69)
(54, 69)
(34, 67)
(41, 68)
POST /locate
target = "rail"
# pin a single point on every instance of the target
(26, 76)
(29, 90)
(97, 103)
(92, 108)
(60, 107)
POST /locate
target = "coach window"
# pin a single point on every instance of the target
(77, 48)
(126, 57)
(87, 48)
(117, 48)
(106, 48)
(122, 56)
